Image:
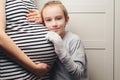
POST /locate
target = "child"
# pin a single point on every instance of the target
(71, 64)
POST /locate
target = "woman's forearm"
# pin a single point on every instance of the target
(15, 52)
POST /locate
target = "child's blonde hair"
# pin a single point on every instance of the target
(55, 2)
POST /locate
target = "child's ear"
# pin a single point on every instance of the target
(67, 19)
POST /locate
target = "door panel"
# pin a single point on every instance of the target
(117, 40)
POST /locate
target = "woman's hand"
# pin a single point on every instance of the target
(34, 16)
(41, 69)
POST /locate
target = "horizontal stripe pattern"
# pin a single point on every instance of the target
(30, 37)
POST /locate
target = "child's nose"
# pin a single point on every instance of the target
(54, 23)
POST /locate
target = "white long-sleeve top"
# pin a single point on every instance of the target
(74, 65)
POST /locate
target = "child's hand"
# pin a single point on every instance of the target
(54, 37)
(58, 44)
(34, 16)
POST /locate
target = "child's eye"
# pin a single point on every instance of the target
(59, 18)
(47, 19)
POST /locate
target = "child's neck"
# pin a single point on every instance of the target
(63, 34)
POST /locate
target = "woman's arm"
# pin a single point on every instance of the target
(13, 50)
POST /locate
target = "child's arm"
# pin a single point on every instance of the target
(13, 50)
(75, 63)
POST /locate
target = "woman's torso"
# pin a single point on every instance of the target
(30, 37)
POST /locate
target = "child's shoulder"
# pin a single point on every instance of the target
(72, 36)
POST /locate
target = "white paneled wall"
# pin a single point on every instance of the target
(85, 5)
(93, 21)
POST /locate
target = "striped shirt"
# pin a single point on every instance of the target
(30, 37)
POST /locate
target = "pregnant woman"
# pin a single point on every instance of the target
(25, 54)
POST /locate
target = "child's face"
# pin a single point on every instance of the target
(54, 19)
